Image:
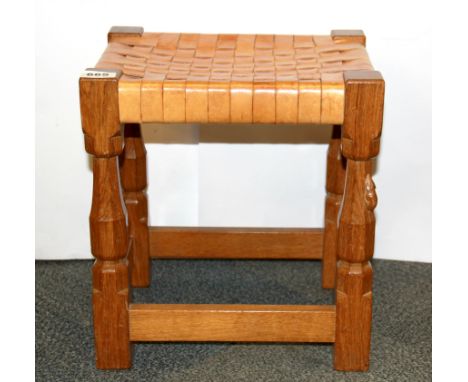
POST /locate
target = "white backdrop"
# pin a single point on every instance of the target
(243, 176)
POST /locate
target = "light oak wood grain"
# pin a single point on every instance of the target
(121, 32)
(360, 142)
(239, 323)
(110, 314)
(109, 242)
(133, 180)
(363, 114)
(236, 243)
(336, 171)
(349, 35)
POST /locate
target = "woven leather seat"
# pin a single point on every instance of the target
(196, 78)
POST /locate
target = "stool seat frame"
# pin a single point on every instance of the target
(123, 244)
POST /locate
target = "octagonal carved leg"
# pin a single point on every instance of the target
(336, 170)
(133, 179)
(360, 143)
(108, 228)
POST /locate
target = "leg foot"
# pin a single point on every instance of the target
(110, 306)
(353, 316)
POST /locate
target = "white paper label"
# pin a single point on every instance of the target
(98, 74)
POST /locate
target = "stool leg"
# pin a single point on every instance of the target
(336, 170)
(133, 179)
(364, 92)
(354, 276)
(110, 272)
(109, 242)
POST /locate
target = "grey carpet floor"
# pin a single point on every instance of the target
(401, 337)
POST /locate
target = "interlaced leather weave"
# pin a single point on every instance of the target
(200, 78)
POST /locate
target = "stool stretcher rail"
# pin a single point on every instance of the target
(236, 243)
(232, 323)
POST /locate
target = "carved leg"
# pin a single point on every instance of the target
(109, 243)
(354, 282)
(133, 178)
(360, 143)
(336, 170)
(110, 272)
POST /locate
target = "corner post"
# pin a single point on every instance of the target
(364, 98)
(117, 33)
(133, 179)
(349, 36)
(336, 172)
(109, 242)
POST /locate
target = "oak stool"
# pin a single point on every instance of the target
(266, 79)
